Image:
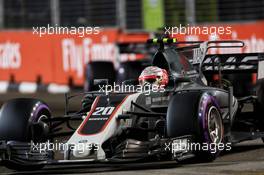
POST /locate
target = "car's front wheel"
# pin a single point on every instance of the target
(23, 121)
(196, 114)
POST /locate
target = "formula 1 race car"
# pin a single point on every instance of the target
(210, 100)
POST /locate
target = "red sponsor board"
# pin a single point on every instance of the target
(25, 57)
(70, 54)
(53, 58)
(58, 58)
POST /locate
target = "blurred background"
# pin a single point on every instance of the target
(145, 15)
(59, 63)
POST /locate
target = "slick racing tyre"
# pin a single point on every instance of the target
(196, 114)
(22, 120)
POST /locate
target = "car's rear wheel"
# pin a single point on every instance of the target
(214, 124)
(24, 120)
(196, 114)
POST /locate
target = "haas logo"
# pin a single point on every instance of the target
(10, 56)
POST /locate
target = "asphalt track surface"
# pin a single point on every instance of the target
(246, 158)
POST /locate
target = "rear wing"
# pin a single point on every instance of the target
(234, 63)
(224, 63)
(200, 53)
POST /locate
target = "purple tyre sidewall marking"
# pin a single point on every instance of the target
(35, 113)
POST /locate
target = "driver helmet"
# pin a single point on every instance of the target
(154, 75)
